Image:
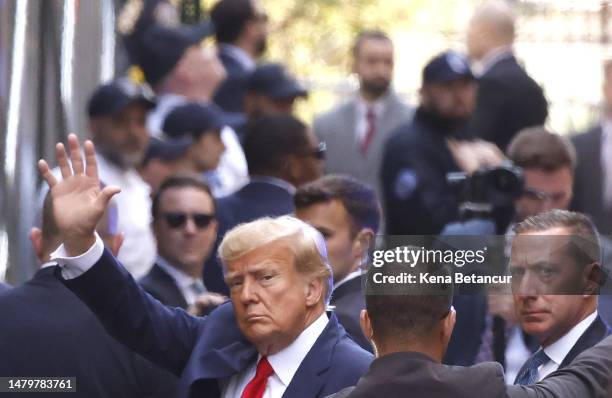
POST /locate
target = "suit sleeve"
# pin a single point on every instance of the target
(589, 375)
(163, 335)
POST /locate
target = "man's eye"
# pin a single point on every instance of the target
(234, 284)
(546, 272)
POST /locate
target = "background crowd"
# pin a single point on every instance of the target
(202, 135)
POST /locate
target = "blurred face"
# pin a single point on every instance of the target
(544, 191)
(476, 41)
(207, 151)
(123, 137)
(452, 100)
(540, 264)
(257, 105)
(272, 300)
(184, 229)
(257, 28)
(332, 220)
(201, 68)
(374, 66)
(308, 165)
(156, 171)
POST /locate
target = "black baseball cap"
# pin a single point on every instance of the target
(160, 48)
(194, 118)
(447, 67)
(167, 149)
(112, 97)
(273, 80)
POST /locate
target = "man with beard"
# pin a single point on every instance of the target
(417, 158)
(356, 131)
(241, 30)
(117, 121)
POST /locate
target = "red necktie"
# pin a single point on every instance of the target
(367, 138)
(257, 385)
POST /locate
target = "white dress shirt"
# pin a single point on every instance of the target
(134, 216)
(361, 121)
(558, 350)
(489, 60)
(285, 364)
(189, 286)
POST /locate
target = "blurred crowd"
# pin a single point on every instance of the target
(202, 139)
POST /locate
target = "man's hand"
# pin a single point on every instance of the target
(78, 201)
(473, 155)
(205, 303)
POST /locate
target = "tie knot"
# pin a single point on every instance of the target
(539, 358)
(264, 369)
(370, 113)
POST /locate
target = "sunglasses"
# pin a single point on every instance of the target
(318, 152)
(178, 220)
(534, 194)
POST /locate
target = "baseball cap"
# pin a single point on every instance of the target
(192, 119)
(112, 97)
(273, 80)
(160, 47)
(447, 67)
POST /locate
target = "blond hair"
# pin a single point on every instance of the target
(306, 243)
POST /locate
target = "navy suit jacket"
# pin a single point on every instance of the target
(205, 350)
(348, 300)
(230, 94)
(47, 331)
(4, 287)
(255, 200)
(161, 286)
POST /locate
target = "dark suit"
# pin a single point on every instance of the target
(415, 375)
(596, 332)
(348, 300)
(588, 376)
(204, 350)
(255, 200)
(161, 286)
(48, 331)
(4, 287)
(588, 180)
(507, 101)
(230, 93)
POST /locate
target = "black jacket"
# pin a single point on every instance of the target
(161, 286)
(348, 300)
(47, 331)
(507, 101)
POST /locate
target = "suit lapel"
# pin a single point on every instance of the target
(309, 379)
(593, 335)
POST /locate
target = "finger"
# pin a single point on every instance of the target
(106, 195)
(91, 168)
(45, 172)
(62, 160)
(75, 154)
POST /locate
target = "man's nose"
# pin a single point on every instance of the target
(248, 292)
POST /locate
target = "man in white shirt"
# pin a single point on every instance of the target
(347, 213)
(117, 113)
(556, 275)
(355, 132)
(280, 283)
(185, 228)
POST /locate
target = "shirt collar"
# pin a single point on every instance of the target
(274, 181)
(351, 276)
(239, 55)
(48, 264)
(558, 350)
(287, 361)
(182, 280)
(378, 105)
(492, 57)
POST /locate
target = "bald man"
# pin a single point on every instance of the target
(507, 100)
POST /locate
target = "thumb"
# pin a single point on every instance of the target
(106, 195)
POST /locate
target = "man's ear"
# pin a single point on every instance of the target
(366, 324)
(37, 242)
(594, 278)
(314, 291)
(447, 326)
(362, 242)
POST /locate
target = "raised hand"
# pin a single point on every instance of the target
(78, 201)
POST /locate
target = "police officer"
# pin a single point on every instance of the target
(417, 157)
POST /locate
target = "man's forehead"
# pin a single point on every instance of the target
(536, 247)
(273, 253)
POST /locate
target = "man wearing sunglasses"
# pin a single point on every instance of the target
(185, 228)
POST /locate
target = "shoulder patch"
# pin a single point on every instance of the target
(405, 183)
